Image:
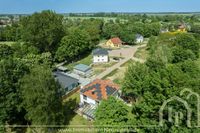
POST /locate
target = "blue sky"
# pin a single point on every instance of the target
(66, 6)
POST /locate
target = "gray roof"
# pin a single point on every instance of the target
(64, 80)
(100, 51)
(138, 36)
(82, 67)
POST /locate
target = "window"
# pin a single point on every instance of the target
(84, 97)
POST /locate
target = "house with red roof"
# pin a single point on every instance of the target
(92, 94)
(114, 42)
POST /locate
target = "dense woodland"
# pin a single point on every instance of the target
(30, 95)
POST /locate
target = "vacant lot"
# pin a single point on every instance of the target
(117, 75)
(142, 53)
(99, 68)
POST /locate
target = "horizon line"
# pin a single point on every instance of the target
(163, 12)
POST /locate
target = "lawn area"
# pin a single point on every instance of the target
(142, 53)
(117, 75)
(73, 119)
(110, 74)
(99, 68)
(126, 64)
(87, 61)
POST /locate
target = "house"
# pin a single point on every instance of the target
(139, 38)
(100, 55)
(114, 42)
(182, 28)
(92, 94)
(67, 83)
(83, 70)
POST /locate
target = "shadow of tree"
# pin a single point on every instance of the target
(69, 107)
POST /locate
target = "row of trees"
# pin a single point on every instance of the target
(49, 32)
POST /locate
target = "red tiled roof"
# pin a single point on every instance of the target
(99, 89)
(182, 26)
(116, 40)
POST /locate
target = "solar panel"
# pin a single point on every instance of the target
(110, 90)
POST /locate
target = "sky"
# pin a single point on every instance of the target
(77, 6)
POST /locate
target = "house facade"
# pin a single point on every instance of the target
(139, 38)
(92, 94)
(100, 56)
(83, 70)
(114, 42)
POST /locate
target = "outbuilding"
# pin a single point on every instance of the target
(83, 70)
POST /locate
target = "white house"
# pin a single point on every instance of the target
(100, 56)
(139, 38)
(92, 94)
(83, 70)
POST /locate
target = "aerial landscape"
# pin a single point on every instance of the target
(116, 66)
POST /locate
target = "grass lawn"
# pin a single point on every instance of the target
(110, 74)
(126, 64)
(117, 75)
(73, 119)
(99, 68)
(87, 61)
(142, 53)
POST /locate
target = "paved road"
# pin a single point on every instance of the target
(127, 53)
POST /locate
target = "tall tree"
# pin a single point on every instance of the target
(11, 71)
(42, 97)
(75, 44)
(111, 112)
(43, 30)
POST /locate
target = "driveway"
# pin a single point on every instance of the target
(127, 53)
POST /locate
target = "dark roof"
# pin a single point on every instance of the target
(100, 51)
(100, 89)
(82, 67)
(64, 80)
